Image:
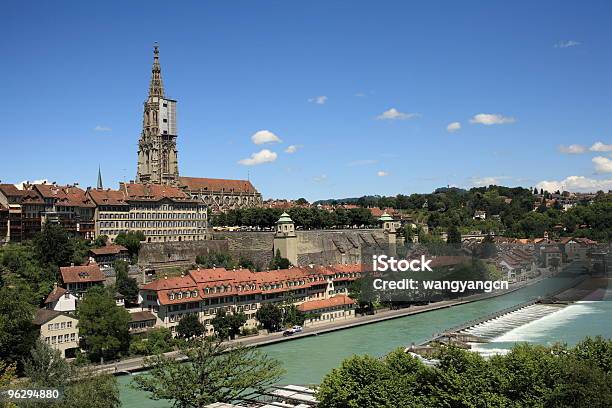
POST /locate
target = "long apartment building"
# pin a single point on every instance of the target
(162, 212)
(207, 291)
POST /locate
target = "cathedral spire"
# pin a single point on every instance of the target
(157, 87)
(100, 186)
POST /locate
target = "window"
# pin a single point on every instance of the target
(50, 326)
(69, 325)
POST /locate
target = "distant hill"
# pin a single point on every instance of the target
(371, 198)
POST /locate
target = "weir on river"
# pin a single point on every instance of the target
(492, 328)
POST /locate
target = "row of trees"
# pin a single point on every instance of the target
(528, 376)
(307, 218)
(227, 261)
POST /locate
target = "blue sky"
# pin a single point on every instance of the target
(530, 84)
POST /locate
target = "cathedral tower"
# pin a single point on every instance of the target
(157, 154)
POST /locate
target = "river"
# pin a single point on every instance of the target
(307, 360)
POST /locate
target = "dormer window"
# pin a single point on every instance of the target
(171, 296)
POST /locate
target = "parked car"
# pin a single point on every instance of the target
(292, 331)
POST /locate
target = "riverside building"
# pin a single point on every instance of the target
(205, 292)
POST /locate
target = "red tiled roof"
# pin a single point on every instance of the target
(55, 294)
(107, 197)
(108, 250)
(82, 273)
(70, 196)
(210, 184)
(11, 190)
(247, 281)
(337, 300)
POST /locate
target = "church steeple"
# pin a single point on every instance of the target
(157, 86)
(100, 186)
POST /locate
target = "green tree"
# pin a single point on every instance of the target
(189, 327)
(156, 341)
(100, 241)
(125, 285)
(131, 240)
(270, 316)
(91, 390)
(228, 325)
(8, 373)
(454, 236)
(292, 316)
(46, 367)
(528, 376)
(103, 326)
(215, 373)
(216, 259)
(53, 246)
(17, 332)
(278, 262)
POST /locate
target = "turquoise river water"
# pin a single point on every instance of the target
(307, 360)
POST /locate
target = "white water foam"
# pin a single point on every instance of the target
(536, 330)
(493, 328)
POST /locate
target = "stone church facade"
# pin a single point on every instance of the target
(158, 155)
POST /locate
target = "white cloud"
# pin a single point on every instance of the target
(453, 127)
(602, 164)
(265, 136)
(491, 119)
(576, 184)
(320, 179)
(601, 147)
(572, 149)
(487, 181)
(360, 94)
(364, 162)
(567, 44)
(318, 99)
(394, 114)
(101, 128)
(21, 183)
(292, 148)
(263, 156)
(382, 173)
